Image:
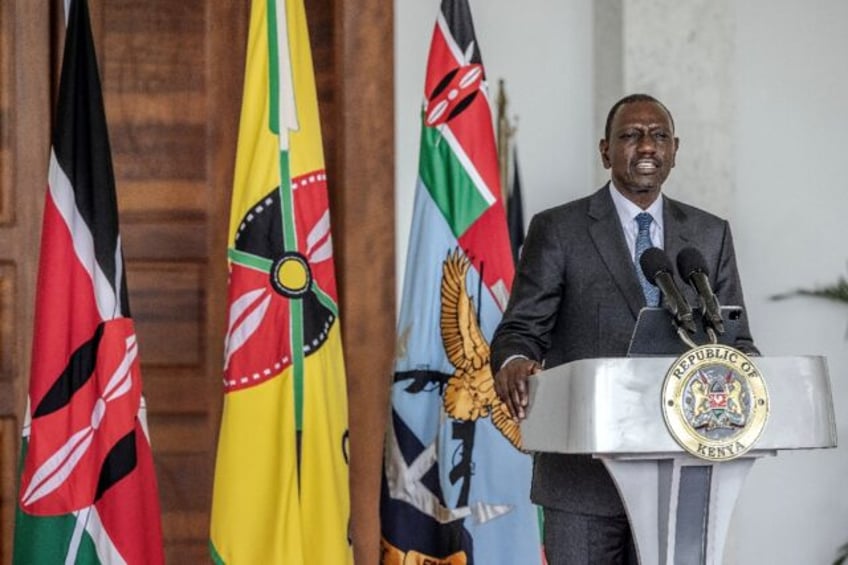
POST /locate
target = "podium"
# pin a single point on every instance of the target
(679, 506)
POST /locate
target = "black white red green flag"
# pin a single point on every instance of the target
(456, 485)
(87, 488)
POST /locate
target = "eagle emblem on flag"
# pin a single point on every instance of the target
(470, 391)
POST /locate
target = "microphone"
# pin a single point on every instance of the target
(657, 269)
(693, 269)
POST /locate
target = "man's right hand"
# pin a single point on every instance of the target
(511, 384)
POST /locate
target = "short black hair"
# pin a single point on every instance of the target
(629, 99)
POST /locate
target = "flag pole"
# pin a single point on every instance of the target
(505, 132)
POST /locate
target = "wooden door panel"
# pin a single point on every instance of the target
(8, 334)
(176, 389)
(9, 430)
(152, 64)
(23, 100)
(154, 68)
(172, 78)
(6, 105)
(9, 421)
(167, 307)
(164, 239)
(182, 530)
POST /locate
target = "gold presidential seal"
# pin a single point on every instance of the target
(714, 402)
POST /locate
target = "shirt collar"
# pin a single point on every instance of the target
(627, 210)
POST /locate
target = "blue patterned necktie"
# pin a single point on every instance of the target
(643, 243)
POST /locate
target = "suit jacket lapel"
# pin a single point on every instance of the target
(609, 240)
(676, 232)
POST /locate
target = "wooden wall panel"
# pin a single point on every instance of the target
(167, 306)
(9, 430)
(364, 207)
(8, 335)
(321, 20)
(6, 105)
(9, 422)
(164, 239)
(25, 71)
(227, 25)
(172, 78)
(182, 529)
(155, 67)
(8, 404)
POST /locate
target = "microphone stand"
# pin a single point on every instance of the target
(682, 333)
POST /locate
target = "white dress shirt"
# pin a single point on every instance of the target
(627, 212)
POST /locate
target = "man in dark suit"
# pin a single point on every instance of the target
(577, 294)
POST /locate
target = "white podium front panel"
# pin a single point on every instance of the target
(612, 406)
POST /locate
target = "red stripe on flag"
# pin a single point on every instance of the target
(487, 244)
(440, 60)
(65, 311)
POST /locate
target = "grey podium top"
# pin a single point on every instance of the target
(612, 406)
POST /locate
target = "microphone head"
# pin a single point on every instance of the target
(653, 262)
(690, 261)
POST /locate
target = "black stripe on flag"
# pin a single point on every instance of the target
(458, 16)
(81, 144)
(77, 372)
(118, 464)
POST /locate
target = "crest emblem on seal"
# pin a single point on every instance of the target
(714, 402)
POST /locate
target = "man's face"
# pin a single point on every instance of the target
(640, 151)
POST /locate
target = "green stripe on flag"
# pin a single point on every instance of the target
(46, 539)
(42, 539)
(273, 68)
(296, 305)
(448, 183)
(287, 203)
(249, 260)
(325, 299)
(216, 557)
(296, 312)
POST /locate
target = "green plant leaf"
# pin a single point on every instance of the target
(837, 292)
(841, 555)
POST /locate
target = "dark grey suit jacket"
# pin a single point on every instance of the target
(576, 296)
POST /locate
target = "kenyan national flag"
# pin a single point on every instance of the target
(87, 486)
(456, 486)
(281, 476)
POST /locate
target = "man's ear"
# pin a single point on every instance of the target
(603, 147)
(674, 155)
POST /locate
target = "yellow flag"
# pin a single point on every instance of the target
(281, 475)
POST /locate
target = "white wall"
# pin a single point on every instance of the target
(790, 230)
(788, 209)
